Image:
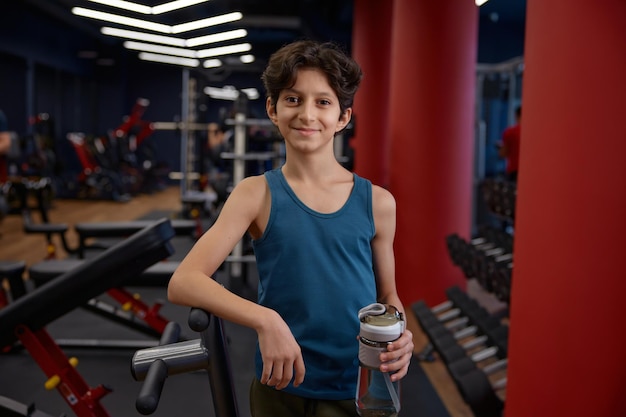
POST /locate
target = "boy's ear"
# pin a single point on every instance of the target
(344, 119)
(271, 110)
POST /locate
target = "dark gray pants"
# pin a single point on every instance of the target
(268, 402)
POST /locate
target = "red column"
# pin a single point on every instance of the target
(431, 128)
(566, 352)
(371, 47)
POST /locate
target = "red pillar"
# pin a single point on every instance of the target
(371, 47)
(566, 352)
(431, 128)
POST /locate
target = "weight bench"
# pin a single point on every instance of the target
(157, 275)
(134, 312)
(24, 319)
(89, 230)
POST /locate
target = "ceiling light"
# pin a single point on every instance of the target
(158, 49)
(126, 5)
(174, 5)
(252, 93)
(480, 2)
(169, 40)
(224, 50)
(122, 20)
(212, 63)
(209, 21)
(146, 56)
(142, 36)
(247, 59)
(217, 37)
(228, 92)
(139, 8)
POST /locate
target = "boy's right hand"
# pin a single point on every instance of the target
(282, 357)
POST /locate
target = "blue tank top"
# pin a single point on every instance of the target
(316, 271)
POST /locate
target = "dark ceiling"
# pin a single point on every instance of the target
(270, 23)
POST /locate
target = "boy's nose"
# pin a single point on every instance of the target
(307, 111)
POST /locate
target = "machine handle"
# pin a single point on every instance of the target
(150, 393)
(171, 333)
(198, 319)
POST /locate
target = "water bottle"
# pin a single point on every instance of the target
(376, 394)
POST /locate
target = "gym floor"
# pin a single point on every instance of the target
(426, 391)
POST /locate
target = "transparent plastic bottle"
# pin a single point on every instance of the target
(376, 394)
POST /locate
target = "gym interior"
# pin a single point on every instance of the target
(110, 181)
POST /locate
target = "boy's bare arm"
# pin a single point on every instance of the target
(192, 285)
(398, 355)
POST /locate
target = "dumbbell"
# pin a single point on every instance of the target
(483, 266)
(498, 236)
(450, 320)
(442, 318)
(474, 383)
(480, 393)
(503, 276)
(443, 335)
(454, 243)
(443, 340)
(459, 251)
(496, 340)
(472, 249)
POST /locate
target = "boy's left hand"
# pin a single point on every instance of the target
(398, 356)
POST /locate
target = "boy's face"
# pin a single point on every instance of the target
(308, 114)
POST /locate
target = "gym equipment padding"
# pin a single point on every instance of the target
(109, 269)
(157, 275)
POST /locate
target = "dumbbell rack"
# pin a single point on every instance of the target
(472, 344)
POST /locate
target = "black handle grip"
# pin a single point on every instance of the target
(148, 399)
(171, 333)
(198, 319)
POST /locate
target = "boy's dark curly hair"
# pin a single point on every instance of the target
(343, 73)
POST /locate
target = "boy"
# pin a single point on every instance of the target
(323, 239)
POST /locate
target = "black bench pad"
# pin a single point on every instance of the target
(121, 229)
(157, 275)
(111, 268)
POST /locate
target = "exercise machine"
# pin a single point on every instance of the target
(24, 320)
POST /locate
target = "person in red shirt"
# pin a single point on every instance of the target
(5, 145)
(509, 148)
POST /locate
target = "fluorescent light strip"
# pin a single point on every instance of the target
(168, 40)
(210, 21)
(126, 5)
(188, 53)
(221, 93)
(480, 2)
(158, 49)
(247, 59)
(174, 5)
(139, 8)
(230, 93)
(252, 93)
(108, 17)
(157, 27)
(146, 56)
(217, 37)
(224, 50)
(142, 36)
(212, 63)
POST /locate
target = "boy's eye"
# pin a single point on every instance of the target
(291, 99)
(324, 102)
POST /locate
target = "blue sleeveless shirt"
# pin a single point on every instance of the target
(316, 270)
